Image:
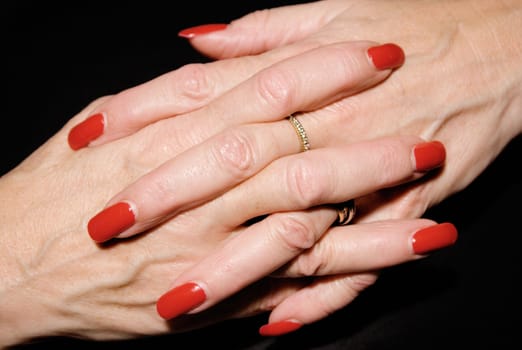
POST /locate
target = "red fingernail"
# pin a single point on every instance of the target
(180, 300)
(90, 129)
(429, 155)
(434, 237)
(110, 222)
(387, 56)
(191, 32)
(279, 328)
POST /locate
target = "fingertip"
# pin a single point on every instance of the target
(433, 238)
(429, 155)
(110, 222)
(192, 32)
(386, 56)
(180, 300)
(279, 328)
(87, 131)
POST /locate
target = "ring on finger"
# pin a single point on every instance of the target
(345, 212)
(301, 133)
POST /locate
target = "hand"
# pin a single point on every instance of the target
(55, 279)
(82, 292)
(270, 198)
(58, 281)
(449, 63)
(230, 142)
(144, 187)
(453, 53)
(461, 84)
(415, 202)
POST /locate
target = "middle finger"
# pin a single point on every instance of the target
(289, 86)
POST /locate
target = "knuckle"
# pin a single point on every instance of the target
(359, 282)
(296, 233)
(276, 88)
(192, 81)
(353, 285)
(306, 185)
(314, 262)
(234, 151)
(261, 16)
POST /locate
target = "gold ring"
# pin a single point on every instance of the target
(345, 212)
(301, 133)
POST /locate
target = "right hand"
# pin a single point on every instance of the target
(461, 84)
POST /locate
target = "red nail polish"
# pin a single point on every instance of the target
(387, 56)
(110, 222)
(88, 130)
(279, 328)
(434, 237)
(191, 32)
(180, 300)
(429, 155)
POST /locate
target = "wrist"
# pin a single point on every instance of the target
(497, 49)
(23, 318)
(510, 45)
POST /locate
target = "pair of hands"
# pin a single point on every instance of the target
(209, 117)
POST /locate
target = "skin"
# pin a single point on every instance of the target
(464, 56)
(443, 114)
(59, 282)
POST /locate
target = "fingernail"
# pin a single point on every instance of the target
(180, 300)
(387, 56)
(110, 222)
(429, 155)
(191, 32)
(85, 132)
(279, 328)
(434, 237)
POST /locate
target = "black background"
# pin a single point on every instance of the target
(59, 57)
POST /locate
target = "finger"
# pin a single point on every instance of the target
(297, 302)
(353, 66)
(254, 253)
(200, 173)
(259, 297)
(370, 247)
(316, 301)
(266, 245)
(228, 158)
(261, 30)
(329, 175)
(179, 91)
(385, 244)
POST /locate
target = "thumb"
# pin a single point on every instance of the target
(259, 31)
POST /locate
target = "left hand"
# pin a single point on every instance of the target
(304, 238)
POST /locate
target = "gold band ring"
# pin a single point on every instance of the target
(345, 212)
(301, 133)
